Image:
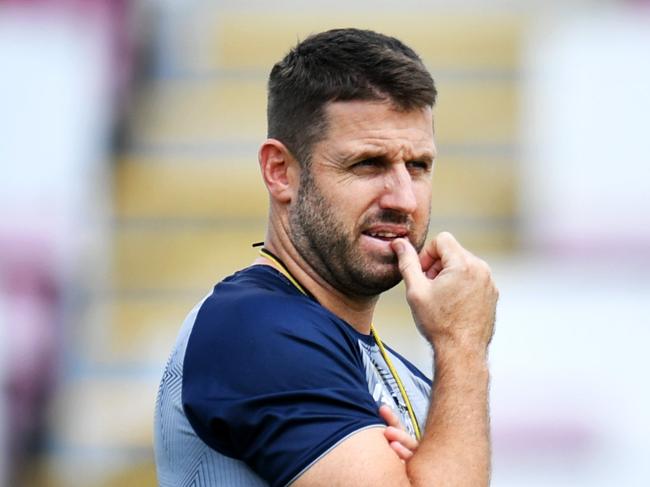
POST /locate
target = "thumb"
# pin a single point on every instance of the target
(408, 261)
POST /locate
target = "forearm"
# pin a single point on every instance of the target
(453, 298)
(455, 448)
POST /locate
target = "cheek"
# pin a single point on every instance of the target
(357, 195)
(423, 196)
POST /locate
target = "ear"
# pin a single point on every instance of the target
(280, 170)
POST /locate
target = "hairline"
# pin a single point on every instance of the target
(323, 124)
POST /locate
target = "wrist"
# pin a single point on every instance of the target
(465, 354)
(456, 340)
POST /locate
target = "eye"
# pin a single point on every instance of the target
(419, 166)
(368, 164)
(373, 161)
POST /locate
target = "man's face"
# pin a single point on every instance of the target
(369, 182)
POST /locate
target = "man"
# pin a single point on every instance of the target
(278, 377)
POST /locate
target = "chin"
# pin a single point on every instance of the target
(377, 282)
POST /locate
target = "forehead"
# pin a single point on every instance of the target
(378, 126)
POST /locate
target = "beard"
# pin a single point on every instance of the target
(333, 251)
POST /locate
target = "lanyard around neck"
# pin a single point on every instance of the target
(280, 266)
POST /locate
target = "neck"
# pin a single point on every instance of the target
(357, 311)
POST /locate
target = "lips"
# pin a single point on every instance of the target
(386, 233)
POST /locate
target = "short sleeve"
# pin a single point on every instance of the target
(275, 383)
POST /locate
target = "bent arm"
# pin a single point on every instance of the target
(454, 450)
(452, 297)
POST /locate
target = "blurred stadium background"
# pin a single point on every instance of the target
(129, 186)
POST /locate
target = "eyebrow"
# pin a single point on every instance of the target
(427, 156)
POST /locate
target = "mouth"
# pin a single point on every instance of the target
(386, 235)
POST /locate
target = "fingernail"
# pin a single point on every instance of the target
(398, 246)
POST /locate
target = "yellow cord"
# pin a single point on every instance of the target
(402, 390)
(280, 266)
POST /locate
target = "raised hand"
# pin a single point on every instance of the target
(450, 292)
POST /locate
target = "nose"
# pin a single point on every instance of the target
(398, 193)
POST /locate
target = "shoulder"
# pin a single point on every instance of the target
(258, 305)
(257, 292)
(256, 319)
(272, 378)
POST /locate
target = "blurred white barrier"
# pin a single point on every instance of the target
(586, 173)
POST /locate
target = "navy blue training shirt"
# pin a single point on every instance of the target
(263, 381)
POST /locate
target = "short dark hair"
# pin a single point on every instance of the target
(340, 65)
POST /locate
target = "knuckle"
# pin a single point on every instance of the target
(465, 267)
(482, 270)
(484, 267)
(405, 266)
(446, 238)
(495, 291)
(414, 295)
